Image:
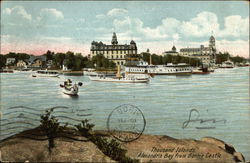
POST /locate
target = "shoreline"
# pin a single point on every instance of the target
(155, 148)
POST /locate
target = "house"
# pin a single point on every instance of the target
(37, 62)
(49, 63)
(21, 64)
(10, 61)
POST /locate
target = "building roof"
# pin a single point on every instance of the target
(33, 58)
(114, 45)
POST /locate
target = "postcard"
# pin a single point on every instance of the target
(124, 81)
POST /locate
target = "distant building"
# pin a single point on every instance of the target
(206, 54)
(10, 61)
(37, 62)
(171, 52)
(64, 65)
(119, 53)
(49, 63)
(21, 64)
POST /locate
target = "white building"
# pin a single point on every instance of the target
(171, 52)
(119, 53)
(10, 61)
(206, 54)
(21, 64)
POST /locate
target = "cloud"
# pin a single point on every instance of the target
(202, 25)
(100, 16)
(116, 12)
(176, 36)
(50, 16)
(17, 13)
(137, 26)
(235, 26)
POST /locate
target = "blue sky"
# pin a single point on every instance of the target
(36, 27)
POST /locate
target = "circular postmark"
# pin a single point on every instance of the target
(126, 123)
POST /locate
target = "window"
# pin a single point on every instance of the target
(121, 63)
(118, 62)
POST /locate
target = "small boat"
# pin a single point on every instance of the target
(201, 71)
(124, 78)
(69, 88)
(227, 64)
(46, 73)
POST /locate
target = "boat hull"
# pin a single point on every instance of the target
(122, 80)
(70, 92)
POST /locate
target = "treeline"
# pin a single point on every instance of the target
(221, 57)
(78, 62)
(73, 61)
(159, 60)
(17, 56)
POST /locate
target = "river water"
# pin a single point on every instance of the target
(165, 102)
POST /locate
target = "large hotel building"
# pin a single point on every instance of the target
(119, 53)
(207, 55)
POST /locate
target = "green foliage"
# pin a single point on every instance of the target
(2, 61)
(49, 55)
(111, 148)
(101, 62)
(85, 128)
(58, 59)
(50, 126)
(158, 60)
(221, 57)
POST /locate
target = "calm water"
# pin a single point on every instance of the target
(165, 102)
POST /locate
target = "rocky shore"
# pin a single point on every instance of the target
(148, 148)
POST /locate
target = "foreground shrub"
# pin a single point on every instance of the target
(111, 148)
(50, 127)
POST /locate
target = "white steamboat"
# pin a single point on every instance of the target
(169, 69)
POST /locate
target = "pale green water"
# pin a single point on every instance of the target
(165, 102)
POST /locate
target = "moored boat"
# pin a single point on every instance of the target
(227, 64)
(201, 71)
(46, 73)
(127, 78)
(121, 78)
(169, 69)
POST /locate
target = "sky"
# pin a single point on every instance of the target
(37, 26)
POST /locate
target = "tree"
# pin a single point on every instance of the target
(49, 55)
(58, 59)
(102, 62)
(2, 61)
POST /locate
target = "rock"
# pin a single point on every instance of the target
(20, 150)
(215, 141)
(229, 148)
(239, 157)
(148, 148)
